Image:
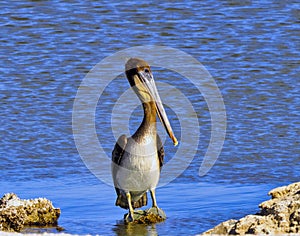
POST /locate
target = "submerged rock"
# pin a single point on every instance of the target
(149, 216)
(16, 213)
(280, 215)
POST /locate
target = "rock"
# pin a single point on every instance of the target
(149, 216)
(279, 215)
(16, 213)
(223, 228)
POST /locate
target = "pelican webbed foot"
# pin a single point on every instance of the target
(128, 217)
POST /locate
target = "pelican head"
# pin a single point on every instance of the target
(140, 77)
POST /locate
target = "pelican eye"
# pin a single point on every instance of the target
(147, 74)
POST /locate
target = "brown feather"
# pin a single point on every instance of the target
(160, 151)
(122, 201)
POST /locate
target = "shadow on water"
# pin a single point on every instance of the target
(121, 229)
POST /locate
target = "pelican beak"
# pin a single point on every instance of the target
(147, 80)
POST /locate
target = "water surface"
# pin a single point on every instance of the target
(252, 51)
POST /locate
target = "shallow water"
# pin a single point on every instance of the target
(252, 51)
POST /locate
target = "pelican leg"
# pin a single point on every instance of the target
(130, 213)
(152, 192)
(155, 208)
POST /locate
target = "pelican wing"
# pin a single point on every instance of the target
(160, 151)
(117, 155)
(119, 149)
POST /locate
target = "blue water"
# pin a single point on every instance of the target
(251, 49)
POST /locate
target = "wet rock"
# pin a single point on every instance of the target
(279, 215)
(16, 213)
(149, 216)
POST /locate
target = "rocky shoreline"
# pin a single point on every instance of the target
(16, 213)
(277, 216)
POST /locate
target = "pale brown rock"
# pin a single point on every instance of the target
(223, 228)
(279, 215)
(149, 216)
(16, 213)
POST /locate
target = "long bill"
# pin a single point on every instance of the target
(150, 85)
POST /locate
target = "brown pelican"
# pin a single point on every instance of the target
(137, 160)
